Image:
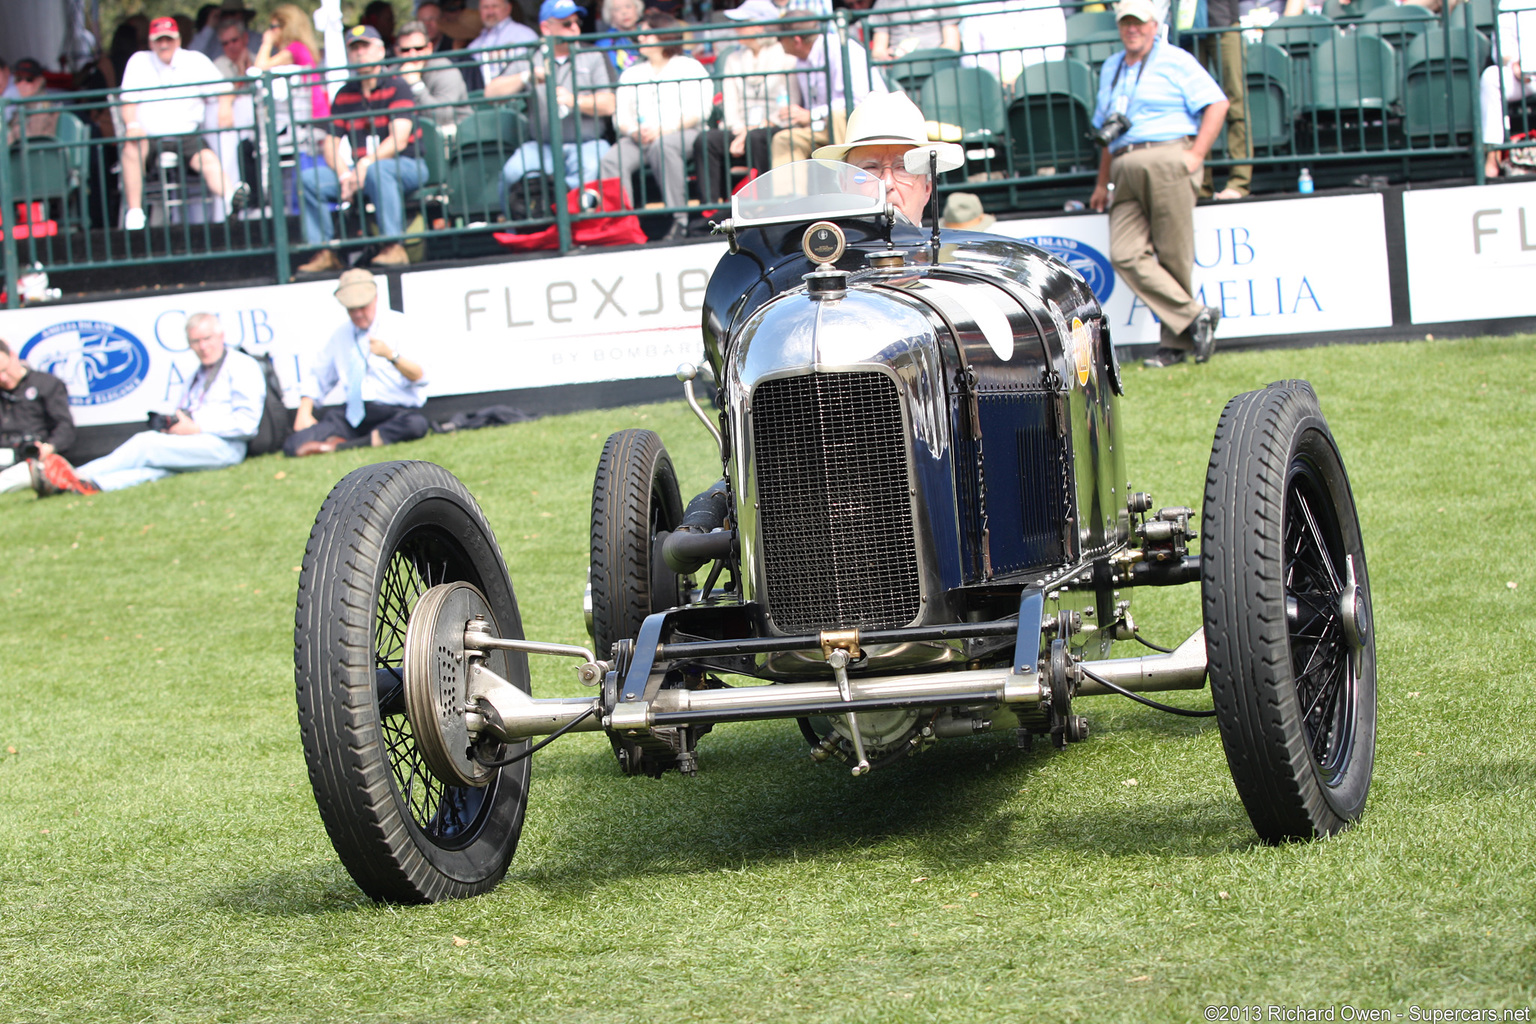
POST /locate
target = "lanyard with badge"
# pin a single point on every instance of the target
(1117, 122)
(1121, 102)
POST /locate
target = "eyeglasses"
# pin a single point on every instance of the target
(423, 48)
(230, 42)
(899, 175)
(574, 21)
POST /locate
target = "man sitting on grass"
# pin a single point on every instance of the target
(35, 421)
(218, 413)
(385, 387)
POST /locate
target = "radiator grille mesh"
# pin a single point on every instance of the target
(836, 519)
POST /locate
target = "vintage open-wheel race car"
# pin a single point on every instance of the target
(923, 531)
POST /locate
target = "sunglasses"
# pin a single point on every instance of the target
(230, 42)
(413, 49)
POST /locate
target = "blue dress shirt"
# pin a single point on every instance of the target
(1163, 95)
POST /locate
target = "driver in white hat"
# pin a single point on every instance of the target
(882, 130)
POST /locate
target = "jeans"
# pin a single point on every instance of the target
(386, 185)
(581, 162)
(151, 455)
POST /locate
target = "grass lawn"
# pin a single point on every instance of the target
(161, 857)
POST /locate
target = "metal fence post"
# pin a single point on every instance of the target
(554, 135)
(277, 192)
(8, 220)
(841, 22)
(1469, 32)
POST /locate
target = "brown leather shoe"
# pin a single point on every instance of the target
(324, 262)
(391, 256)
(325, 447)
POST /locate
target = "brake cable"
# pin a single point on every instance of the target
(1138, 698)
(546, 741)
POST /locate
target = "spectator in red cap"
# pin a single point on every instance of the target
(169, 118)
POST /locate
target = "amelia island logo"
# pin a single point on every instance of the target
(98, 362)
(1085, 259)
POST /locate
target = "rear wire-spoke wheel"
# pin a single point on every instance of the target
(384, 536)
(1288, 622)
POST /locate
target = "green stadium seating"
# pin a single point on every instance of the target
(1050, 117)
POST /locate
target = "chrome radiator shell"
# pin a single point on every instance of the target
(807, 551)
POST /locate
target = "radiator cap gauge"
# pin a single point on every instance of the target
(824, 242)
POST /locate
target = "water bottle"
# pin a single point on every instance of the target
(1304, 182)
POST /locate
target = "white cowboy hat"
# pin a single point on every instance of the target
(891, 119)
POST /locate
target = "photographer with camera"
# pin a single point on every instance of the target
(35, 421)
(1158, 112)
(219, 412)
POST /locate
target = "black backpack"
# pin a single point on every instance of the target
(276, 419)
(532, 198)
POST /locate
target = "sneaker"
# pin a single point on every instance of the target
(323, 262)
(1163, 358)
(58, 475)
(240, 198)
(1202, 331)
(133, 220)
(391, 256)
(40, 483)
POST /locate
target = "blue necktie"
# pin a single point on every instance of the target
(357, 369)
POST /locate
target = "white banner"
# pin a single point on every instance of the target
(1471, 252)
(124, 358)
(570, 320)
(1273, 268)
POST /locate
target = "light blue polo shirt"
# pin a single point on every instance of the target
(1163, 95)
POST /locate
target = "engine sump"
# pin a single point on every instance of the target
(834, 510)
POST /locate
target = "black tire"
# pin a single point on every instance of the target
(384, 535)
(1297, 716)
(634, 498)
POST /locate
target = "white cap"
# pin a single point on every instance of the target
(1141, 10)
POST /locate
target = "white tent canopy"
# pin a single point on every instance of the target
(40, 30)
(55, 33)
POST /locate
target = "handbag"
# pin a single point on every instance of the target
(606, 195)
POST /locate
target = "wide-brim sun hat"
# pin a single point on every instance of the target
(890, 119)
(964, 210)
(754, 10)
(355, 288)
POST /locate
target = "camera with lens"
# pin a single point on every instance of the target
(1115, 125)
(23, 448)
(162, 421)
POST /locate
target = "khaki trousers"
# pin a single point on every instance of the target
(1234, 83)
(1152, 233)
(793, 144)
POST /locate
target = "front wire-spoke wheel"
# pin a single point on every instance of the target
(1288, 623)
(385, 535)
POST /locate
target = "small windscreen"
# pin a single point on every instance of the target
(808, 190)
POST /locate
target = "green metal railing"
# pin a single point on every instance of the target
(1019, 108)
